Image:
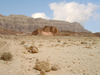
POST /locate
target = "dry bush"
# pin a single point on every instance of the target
(22, 43)
(40, 44)
(94, 43)
(91, 54)
(83, 42)
(0, 36)
(57, 45)
(65, 43)
(62, 46)
(88, 47)
(6, 56)
(59, 41)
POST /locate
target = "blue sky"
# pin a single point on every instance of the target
(68, 10)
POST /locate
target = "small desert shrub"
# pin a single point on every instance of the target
(59, 41)
(65, 43)
(22, 43)
(6, 56)
(57, 45)
(0, 36)
(87, 47)
(94, 43)
(83, 42)
(40, 44)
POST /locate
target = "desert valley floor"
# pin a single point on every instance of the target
(71, 55)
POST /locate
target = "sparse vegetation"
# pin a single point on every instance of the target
(22, 43)
(59, 41)
(40, 44)
(94, 43)
(83, 42)
(6, 56)
(65, 43)
(88, 47)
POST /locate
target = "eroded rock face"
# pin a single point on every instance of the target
(37, 32)
(47, 30)
(52, 29)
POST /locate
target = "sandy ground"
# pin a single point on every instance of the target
(73, 55)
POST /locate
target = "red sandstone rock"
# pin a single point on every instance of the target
(47, 30)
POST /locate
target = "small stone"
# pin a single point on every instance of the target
(28, 69)
(55, 67)
(42, 72)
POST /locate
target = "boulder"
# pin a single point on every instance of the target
(43, 65)
(33, 49)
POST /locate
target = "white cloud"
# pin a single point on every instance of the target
(73, 12)
(40, 15)
(97, 18)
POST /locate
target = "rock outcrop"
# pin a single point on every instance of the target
(52, 29)
(37, 32)
(47, 30)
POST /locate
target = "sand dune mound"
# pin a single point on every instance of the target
(47, 30)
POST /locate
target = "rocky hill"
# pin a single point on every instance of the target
(47, 30)
(21, 23)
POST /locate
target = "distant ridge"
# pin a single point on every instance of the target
(21, 23)
(8, 32)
